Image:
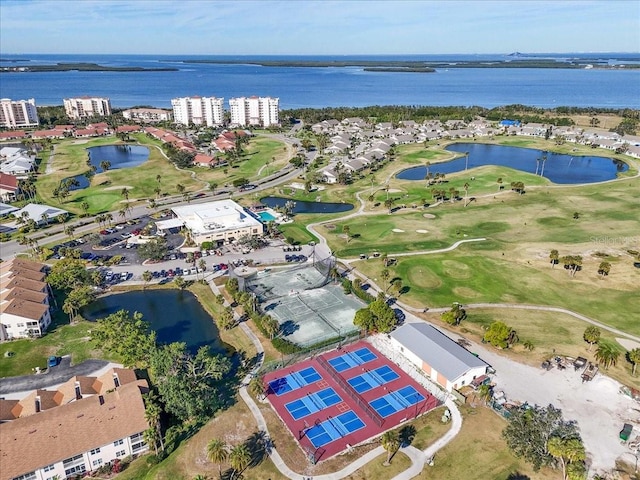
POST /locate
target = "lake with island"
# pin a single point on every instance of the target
(175, 315)
(119, 156)
(558, 168)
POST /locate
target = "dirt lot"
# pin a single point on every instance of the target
(597, 406)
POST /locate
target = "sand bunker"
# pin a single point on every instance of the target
(428, 215)
(422, 231)
(397, 230)
(119, 187)
(394, 190)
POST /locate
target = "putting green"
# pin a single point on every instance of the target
(423, 277)
(454, 269)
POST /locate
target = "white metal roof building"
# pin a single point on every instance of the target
(443, 360)
(219, 222)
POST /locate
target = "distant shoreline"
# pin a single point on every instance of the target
(418, 66)
(81, 67)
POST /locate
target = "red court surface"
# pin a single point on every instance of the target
(344, 397)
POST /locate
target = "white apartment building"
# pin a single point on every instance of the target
(84, 107)
(18, 113)
(24, 299)
(76, 438)
(261, 111)
(207, 111)
(147, 115)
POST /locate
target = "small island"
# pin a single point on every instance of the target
(82, 67)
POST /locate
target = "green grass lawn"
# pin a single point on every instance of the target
(62, 340)
(469, 275)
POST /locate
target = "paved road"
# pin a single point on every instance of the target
(53, 376)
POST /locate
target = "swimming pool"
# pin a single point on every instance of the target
(266, 217)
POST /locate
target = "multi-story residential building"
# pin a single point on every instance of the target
(85, 107)
(76, 437)
(147, 115)
(24, 299)
(261, 111)
(207, 111)
(18, 114)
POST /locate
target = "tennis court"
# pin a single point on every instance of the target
(352, 359)
(312, 403)
(294, 381)
(373, 378)
(396, 401)
(310, 316)
(334, 428)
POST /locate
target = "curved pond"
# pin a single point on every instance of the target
(119, 156)
(559, 168)
(302, 206)
(175, 316)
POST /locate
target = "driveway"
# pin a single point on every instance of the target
(54, 376)
(597, 406)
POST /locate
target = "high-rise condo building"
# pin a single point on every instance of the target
(84, 107)
(254, 111)
(18, 114)
(207, 111)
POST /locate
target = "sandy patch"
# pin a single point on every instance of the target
(119, 187)
(428, 215)
(397, 230)
(422, 231)
(394, 190)
(627, 343)
(80, 142)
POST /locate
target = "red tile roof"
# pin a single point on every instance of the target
(13, 134)
(8, 182)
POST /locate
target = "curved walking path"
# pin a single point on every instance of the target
(417, 457)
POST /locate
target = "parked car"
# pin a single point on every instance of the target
(52, 361)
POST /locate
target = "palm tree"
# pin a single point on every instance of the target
(213, 186)
(69, 230)
(202, 265)
(554, 256)
(239, 458)
(125, 193)
(146, 276)
(499, 182)
(180, 188)
(466, 160)
(105, 165)
(485, 393)
(604, 269)
(217, 452)
(346, 229)
(85, 208)
(566, 451)
(157, 191)
(607, 354)
(158, 178)
(109, 218)
(391, 443)
(45, 218)
(634, 357)
(122, 213)
(388, 203)
(385, 274)
(256, 387)
(466, 193)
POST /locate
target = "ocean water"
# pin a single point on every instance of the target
(317, 87)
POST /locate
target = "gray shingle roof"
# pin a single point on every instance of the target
(436, 349)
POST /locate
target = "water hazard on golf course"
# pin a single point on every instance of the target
(302, 206)
(558, 168)
(117, 156)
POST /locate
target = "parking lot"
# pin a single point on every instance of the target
(113, 251)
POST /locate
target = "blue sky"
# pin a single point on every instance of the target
(297, 27)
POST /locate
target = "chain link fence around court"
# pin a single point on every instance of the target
(309, 308)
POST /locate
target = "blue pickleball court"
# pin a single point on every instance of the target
(312, 403)
(352, 359)
(334, 428)
(294, 380)
(395, 401)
